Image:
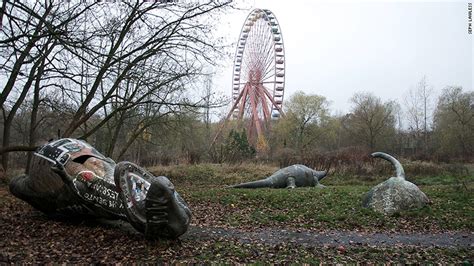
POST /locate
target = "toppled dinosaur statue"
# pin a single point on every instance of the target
(396, 193)
(296, 175)
(70, 178)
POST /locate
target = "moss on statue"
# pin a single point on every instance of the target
(395, 194)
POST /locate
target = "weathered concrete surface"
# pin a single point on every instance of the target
(395, 194)
(293, 176)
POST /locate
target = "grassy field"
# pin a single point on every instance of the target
(336, 207)
(31, 237)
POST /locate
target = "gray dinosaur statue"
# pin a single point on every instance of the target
(70, 178)
(296, 175)
(396, 193)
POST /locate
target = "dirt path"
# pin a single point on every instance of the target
(335, 238)
(273, 236)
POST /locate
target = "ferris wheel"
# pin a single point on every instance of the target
(258, 79)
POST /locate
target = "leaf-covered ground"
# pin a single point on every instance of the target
(236, 225)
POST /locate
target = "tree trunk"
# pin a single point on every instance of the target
(130, 141)
(34, 115)
(11, 115)
(113, 141)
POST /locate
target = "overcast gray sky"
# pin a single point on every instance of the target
(337, 48)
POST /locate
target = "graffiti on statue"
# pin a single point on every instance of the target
(69, 177)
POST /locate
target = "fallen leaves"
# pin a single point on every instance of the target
(221, 234)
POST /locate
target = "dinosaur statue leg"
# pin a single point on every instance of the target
(290, 182)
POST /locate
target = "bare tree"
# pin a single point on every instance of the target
(28, 25)
(27, 42)
(103, 60)
(419, 107)
(454, 123)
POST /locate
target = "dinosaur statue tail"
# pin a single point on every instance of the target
(254, 184)
(398, 166)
